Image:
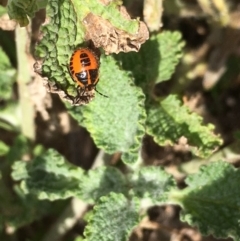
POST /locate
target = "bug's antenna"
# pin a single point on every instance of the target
(101, 93)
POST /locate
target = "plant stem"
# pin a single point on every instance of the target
(23, 78)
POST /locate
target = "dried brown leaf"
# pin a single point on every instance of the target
(113, 40)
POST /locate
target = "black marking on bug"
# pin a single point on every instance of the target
(93, 76)
(85, 60)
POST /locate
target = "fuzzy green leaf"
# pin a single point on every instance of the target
(7, 76)
(55, 48)
(113, 218)
(212, 200)
(116, 123)
(110, 12)
(156, 60)
(66, 19)
(153, 183)
(20, 10)
(101, 181)
(171, 120)
(48, 176)
(171, 46)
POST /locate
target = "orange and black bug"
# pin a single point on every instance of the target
(84, 69)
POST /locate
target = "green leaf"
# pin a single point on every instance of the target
(212, 200)
(101, 181)
(3, 148)
(20, 10)
(3, 10)
(156, 60)
(10, 116)
(171, 51)
(111, 13)
(170, 120)
(113, 218)
(4, 60)
(153, 183)
(48, 176)
(79, 238)
(20, 147)
(7, 76)
(116, 123)
(55, 48)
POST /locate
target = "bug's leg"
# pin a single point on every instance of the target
(79, 96)
(100, 93)
(81, 91)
